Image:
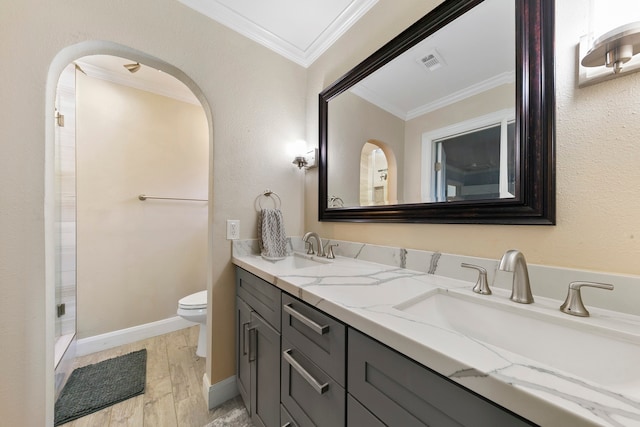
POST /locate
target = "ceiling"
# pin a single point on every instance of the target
(476, 53)
(481, 40)
(298, 30)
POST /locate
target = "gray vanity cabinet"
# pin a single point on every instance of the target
(320, 337)
(258, 348)
(313, 365)
(299, 367)
(401, 392)
(243, 368)
(286, 420)
(358, 415)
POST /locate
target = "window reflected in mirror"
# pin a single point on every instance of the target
(472, 160)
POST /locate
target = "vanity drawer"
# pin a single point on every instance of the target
(262, 296)
(320, 337)
(401, 392)
(286, 420)
(310, 396)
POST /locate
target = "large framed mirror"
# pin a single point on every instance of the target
(452, 121)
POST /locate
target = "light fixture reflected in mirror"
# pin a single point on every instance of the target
(308, 161)
(132, 68)
(300, 161)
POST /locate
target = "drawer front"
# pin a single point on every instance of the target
(311, 396)
(401, 392)
(359, 416)
(261, 295)
(286, 420)
(320, 337)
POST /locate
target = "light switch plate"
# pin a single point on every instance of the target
(233, 229)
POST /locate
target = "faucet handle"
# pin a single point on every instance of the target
(330, 253)
(482, 286)
(573, 303)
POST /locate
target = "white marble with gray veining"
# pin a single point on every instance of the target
(364, 283)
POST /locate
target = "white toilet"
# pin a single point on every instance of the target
(194, 309)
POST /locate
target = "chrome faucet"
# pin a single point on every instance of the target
(320, 248)
(514, 261)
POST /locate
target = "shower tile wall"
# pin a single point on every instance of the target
(66, 204)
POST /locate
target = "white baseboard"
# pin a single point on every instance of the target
(215, 395)
(129, 335)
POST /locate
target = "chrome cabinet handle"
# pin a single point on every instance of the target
(319, 329)
(286, 425)
(245, 327)
(319, 388)
(573, 303)
(252, 344)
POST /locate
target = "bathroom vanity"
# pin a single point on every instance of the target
(349, 342)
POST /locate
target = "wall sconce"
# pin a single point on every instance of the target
(612, 50)
(308, 161)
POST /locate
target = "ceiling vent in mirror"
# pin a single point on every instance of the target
(431, 61)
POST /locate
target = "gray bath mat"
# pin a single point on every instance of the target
(102, 384)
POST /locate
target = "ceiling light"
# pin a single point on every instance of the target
(132, 68)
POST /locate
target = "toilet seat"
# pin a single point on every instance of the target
(197, 301)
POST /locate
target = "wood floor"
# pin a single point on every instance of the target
(173, 394)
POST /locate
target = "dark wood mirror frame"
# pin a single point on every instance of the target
(535, 118)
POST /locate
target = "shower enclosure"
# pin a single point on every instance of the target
(65, 224)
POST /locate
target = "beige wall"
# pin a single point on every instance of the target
(255, 104)
(597, 160)
(355, 121)
(137, 259)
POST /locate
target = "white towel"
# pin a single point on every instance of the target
(271, 235)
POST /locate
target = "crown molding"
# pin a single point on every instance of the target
(304, 57)
(490, 83)
(374, 98)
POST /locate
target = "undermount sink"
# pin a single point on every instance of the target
(575, 346)
(298, 260)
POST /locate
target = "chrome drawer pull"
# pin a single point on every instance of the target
(287, 425)
(319, 329)
(320, 388)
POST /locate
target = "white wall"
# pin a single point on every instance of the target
(256, 106)
(597, 158)
(137, 259)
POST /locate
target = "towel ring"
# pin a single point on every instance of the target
(268, 194)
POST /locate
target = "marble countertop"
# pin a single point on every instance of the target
(365, 295)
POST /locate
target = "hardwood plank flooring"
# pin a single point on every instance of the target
(173, 392)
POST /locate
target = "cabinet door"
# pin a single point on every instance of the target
(311, 396)
(359, 416)
(264, 356)
(243, 320)
(320, 337)
(401, 392)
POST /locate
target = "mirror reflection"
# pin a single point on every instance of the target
(436, 124)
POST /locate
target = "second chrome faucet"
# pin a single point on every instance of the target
(513, 261)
